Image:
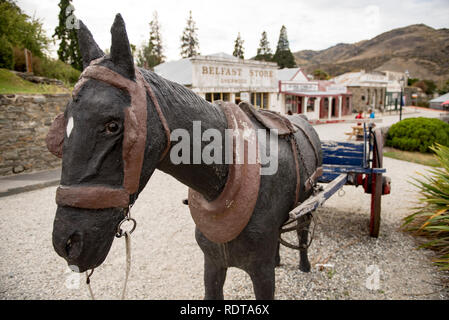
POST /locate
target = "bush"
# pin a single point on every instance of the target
(431, 220)
(6, 54)
(418, 134)
(57, 69)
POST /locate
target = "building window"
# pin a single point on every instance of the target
(260, 99)
(311, 105)
(216, 96)
(237, 98)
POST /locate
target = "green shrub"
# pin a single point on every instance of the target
(431, 219)
(6, 54)
(57, 69)
(418, 134)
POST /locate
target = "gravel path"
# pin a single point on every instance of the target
(168, 264)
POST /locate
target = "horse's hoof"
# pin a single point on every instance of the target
(304, 267)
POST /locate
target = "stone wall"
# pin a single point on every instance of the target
(24, 124)
(362, 98)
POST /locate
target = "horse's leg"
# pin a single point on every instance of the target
(214, 279)
(303, 237)
(263, 278)
(277, 261)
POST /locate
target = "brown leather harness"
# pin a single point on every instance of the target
(134, 141)
(224, 218)
(220, 220)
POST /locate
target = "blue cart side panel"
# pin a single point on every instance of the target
(344, 156)
(343, 153)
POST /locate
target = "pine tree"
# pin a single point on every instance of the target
(264, 52)
(151, 54)
(283, 55)
(156, 39)
(189, 41)
(238, 47)
(66, 32)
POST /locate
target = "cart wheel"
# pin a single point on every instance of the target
(376, 185)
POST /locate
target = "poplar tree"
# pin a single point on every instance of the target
(189, 41)
(66, 32)
(238, 47)
(156, 39)
(264, 52)
(152, 54)
(283, 56)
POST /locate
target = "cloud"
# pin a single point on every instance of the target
(313, 25)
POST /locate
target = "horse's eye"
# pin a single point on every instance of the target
(112, 127)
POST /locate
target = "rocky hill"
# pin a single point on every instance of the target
(420, 49)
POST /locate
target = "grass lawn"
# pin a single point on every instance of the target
(427, 159)
(12, 84)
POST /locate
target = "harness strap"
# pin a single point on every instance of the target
(134, 142)
(298, 176)
(161, 117)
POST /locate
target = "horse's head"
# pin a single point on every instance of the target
(102, 138)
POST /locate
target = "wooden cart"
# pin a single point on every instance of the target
(351, 163)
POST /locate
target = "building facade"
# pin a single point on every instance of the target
(315, 99)
(368, 90)
(227, 78)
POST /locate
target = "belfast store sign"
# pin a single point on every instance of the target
(240, 75)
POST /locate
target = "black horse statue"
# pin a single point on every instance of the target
(116, 131)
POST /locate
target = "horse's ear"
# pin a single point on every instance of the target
(88, 47)
(120, 49)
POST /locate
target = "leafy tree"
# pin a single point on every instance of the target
(283, 56)
(19, 30)
(320, 75)
(189, 41)
(151, 54)
(431, 86)
(427, 86)
(264, 51)
(68, 51)
(412, 81)
(444, 88)
(6, 53)
(238, 47)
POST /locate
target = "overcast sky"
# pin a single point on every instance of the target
(311, 24)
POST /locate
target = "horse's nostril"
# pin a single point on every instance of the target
(74, 245)
(68, 246)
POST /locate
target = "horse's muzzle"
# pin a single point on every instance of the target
(84, 237)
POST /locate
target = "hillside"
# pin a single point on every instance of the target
(12, 84)
(420, 49)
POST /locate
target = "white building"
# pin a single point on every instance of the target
(225, 77)
(315, 99)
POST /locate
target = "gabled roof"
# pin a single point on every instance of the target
(292, 74)
(441, 99)
(179, 71)
(361, 78)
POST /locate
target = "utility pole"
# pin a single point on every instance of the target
(401, 104)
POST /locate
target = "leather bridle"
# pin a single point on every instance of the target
(134, 142)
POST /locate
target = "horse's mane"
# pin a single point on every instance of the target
(173, 95)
